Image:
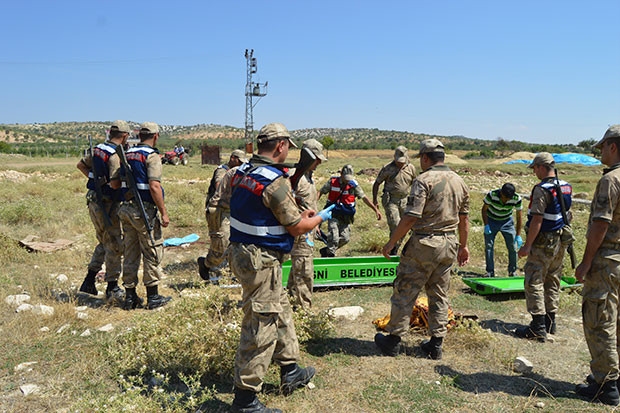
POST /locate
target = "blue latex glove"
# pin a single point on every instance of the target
(519, 241)
(326, 214)
(487, 229)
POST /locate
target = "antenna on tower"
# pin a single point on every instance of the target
(252, 90)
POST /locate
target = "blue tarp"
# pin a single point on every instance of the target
(574, 158)
(175, 242)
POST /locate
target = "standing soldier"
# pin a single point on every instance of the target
(264, 219)
(342, 191)
(102, 168)
(218, 222)
(146, 169)
(599, 271)
(497, 208)
(301, 276)
(437, 207)
(543, 248)
(398, 176)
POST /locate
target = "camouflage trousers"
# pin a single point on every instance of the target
(219, 233)
(267, 329)
(110, 247)
(543, 270)
(600, 303)
(301, 278)
(339, 233)
(394, 209)
(138, 245)
(425, 262)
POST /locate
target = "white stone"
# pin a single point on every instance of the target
(106, 328)
(81, 308)
(540, 405)
(62, 328)
(86, 333)
(42, 309)
(27, 389)
(310, 385)
(82, 315)
(25, 366)
(350, 313)
(522, 365)
(44, 329)
(62, 278)
(24, 307)
(17, 299)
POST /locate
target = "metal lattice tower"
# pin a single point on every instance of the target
(251, 89)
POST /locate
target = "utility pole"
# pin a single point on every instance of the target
(251, 89)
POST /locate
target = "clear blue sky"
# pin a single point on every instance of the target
(534, 71)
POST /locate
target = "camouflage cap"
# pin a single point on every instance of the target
(316, 147)
(273, 131)
(400, 154)
(120, 126)
(238, 153)
(542, 158)
(429, 146)
(612, 132)
(149, 127)
(347, 172)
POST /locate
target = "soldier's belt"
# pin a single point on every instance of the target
(611, 245)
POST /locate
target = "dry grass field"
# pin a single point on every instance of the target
(179, 359)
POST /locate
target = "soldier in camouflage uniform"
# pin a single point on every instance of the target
(397, 177)
(108, 230)
(342, 191)
(544, 249)
(217, 219)
(264, 219)
(600, 272)
(145, 163)
(301, 277)
(437, 207)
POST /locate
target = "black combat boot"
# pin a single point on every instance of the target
(550, 325)
(389, 345)
(132, 301)
(535, 331)
(88, 286)
(246, 402)
(153, 299)
(293, 377)
(432, 347)
(114, 293)
(203, 270)
(607, 393)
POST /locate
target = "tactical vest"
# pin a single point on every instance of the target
(343, 197)
(136, 158)
(552, 217)
(251, 222)
(100, 157)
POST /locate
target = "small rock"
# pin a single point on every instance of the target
(540, 405)
(310, 386)
(25, 366)
(86, 333)
(81, 308)
(350, 313)
(522, 365)
(82, 315)
(44, 329)
(62, 328)
(27, 389)
(17, 299)
(24, 307)
(62, 278)
(106, 328)
(42, 309)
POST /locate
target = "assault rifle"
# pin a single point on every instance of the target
(133, 187)
(306, 159)
(99, 182)
(558, 190)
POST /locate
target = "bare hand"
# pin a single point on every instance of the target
(581, 272)
(463, 256)
(387, 248)
(524, 251)
(165, 220)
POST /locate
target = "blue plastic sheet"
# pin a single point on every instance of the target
(574, 158)
(175, 242)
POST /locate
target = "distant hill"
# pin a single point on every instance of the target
(67, 137)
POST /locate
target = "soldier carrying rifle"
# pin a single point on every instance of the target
(144, 197)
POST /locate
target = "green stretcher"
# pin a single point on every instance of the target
(503, 285)
(348, 271)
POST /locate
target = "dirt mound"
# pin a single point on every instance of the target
(516, 156)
